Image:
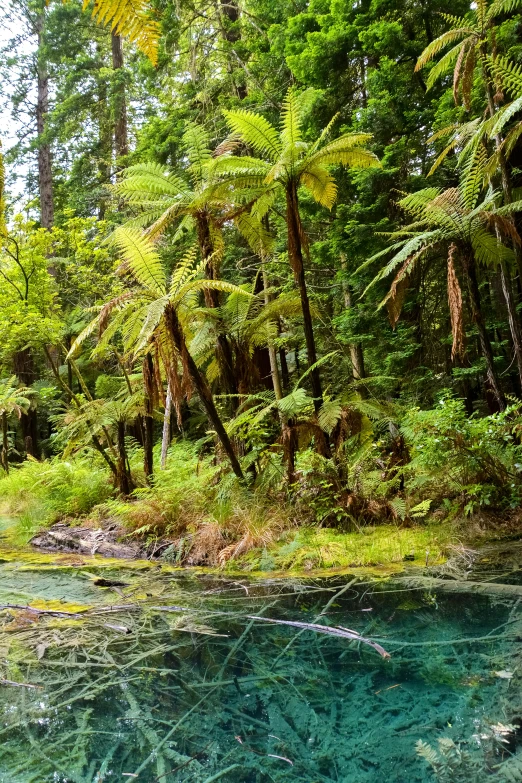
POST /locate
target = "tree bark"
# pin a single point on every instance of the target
(201, 385)
(122, 476)
(478, 319)
(165, 440)
(295, 252)
(5, 443)
(148, 424)
(121, 142)
(356, 351)
(45, 179)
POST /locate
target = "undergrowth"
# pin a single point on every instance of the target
(39, 494)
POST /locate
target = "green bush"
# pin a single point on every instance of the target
(455, 456)
(40, 493)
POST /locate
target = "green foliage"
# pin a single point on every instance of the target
(42, 494)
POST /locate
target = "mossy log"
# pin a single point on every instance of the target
(459, 586)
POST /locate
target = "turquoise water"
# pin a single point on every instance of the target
(202, 693)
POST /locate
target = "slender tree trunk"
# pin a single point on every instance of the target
(45, 180)
(201, 385)
(231, 34)
(104, 141)
(274, 369)
(5, 443)
(121, 142)
(223, 349)
(124, 483)
(356, 351)
(148, 425)
(514, 323)
(165, 440)
(23, 365)
(478, 319)
(295, 252)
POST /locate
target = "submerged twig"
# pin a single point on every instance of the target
(328, 630)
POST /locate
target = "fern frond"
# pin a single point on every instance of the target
(441, 42)
(508, 74)
(443, 66)
(131, 19)
(141, 259)
(321, 185)
(345, 150)
(255, 131)
(195, 142)
(329, 414)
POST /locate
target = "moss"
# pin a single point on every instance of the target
(381, 548)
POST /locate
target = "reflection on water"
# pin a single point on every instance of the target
(202, 693)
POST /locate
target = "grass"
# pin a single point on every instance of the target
(323, 548)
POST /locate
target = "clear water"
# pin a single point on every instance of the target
(208, 694)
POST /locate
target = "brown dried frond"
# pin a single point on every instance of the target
(503, 225)
(457, 73)
(456, 309)
(467, 78)
(106, 311)
(451, 197)
(230, 144)
(397, 294)
(349, 423)
(207, 545)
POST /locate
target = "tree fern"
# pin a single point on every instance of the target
(255, 131)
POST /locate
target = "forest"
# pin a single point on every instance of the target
(261, 275)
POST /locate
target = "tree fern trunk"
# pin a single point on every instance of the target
(201, 385)
(165, 440)
(148, 424)
(295, 252)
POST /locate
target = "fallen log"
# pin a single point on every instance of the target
(459, 586)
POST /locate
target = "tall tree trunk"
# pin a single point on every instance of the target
(45, 179)
(274, 369)
(478, 318)
(23, 365)
(295, 252)
(122, 476)
(201, 385)
(104, 140)
(231, 34)
(121, 142)
(165, 440)
(5, 443)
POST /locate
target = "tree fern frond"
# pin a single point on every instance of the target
(472, 179)
(320, 183)
(255, 131)
(258, 238)
(507, 73)
(131, 19)
(195, 142)
(441, 42)
(345, 150)
(293, 111)
(501, 7)
(444, 65)
(329, 414)
(505, 114)
(150, 178)
(141, 258)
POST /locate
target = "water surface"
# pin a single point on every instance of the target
(199, 692)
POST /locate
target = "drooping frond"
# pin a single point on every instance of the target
(444, 65)
(141, 259)
(441, 42)
(416, 203)
(258, 238)
(320, 183)
(255, 131)
(131, 19)
(488, 250)
(472, 179)
(505, 114)
(150, 178)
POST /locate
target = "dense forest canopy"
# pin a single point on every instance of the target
(284, 237)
